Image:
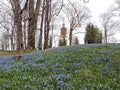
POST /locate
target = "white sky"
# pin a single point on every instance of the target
(98, 7)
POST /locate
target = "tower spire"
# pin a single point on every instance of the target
(63, 23)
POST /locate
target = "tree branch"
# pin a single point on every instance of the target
(25, 6)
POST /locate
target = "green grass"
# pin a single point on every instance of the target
(3, 53)
(7, 53)
(67, 68)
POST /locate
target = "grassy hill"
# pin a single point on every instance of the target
(79, 67)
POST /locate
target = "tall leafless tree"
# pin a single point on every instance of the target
(7, 25)
(50, 10)
(41, 26)
(47, 23)
(108, 25)
(16, 8)
(77, 14)
(33, 18)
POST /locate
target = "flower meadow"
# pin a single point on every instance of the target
(78, 67)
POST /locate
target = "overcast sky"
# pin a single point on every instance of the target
(98, 7)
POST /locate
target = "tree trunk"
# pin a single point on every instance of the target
(31, 25)
(24, 35)
(70, 35)
(33, 17)
(105, 36)
(41, 26)
(47, 23)
(18, 21)
(12, 44)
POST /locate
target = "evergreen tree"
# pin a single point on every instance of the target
(76, 41)
(92, 34)
(62, 42)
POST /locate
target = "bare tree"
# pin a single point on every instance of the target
(77, 14)
(85, 1)
(25, 29)
(16, 8)
(47, 22)
(108, 25)
(50, 10)
(7, 25)
(33, 18)
(116, 14)
(41, 26)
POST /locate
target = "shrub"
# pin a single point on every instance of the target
(62, 42)
(76, 41)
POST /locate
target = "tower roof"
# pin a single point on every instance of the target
(63, 27)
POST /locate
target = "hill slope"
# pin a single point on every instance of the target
(66, 68)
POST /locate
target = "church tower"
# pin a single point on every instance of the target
(63, 36)
(63, 31)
